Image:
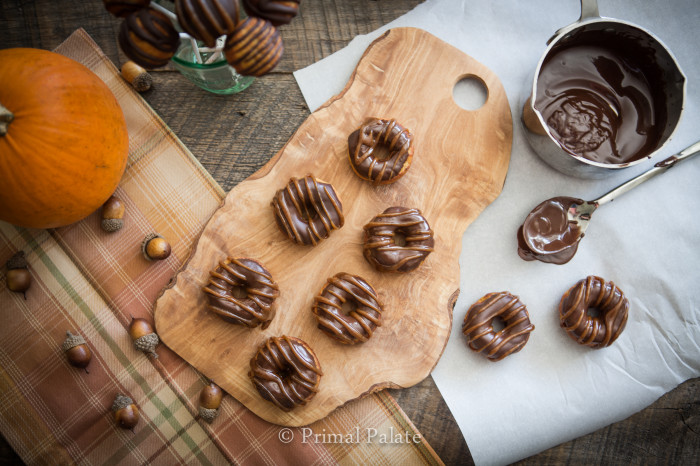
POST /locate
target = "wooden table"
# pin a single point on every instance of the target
(234, 136)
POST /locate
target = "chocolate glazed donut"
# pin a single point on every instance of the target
(148, 37)
(605, 301)
(479, 329)
(364, 316)
(286, 372)
(241, 291)
(278, 12)
(386, 233)
(376, 133)
(307, 210)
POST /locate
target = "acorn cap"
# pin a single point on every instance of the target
(110, 225)
(147, 344)
(121, 402)
(72, 341)
(142, 82)
(208, 414)
(17, 261)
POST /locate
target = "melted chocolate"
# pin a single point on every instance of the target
(594, 293)
(286, 372)
(482, 337)
(206, 20)
(307, 210)
(547, 235)
(599, 103)
(363, 143)
(277, 12)
(381, 249)
(667, 163)
(148, 38)
(253, 309)
(357, 325)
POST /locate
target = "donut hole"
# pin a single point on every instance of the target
(381, 152)
(497, 324)
(308, 214)
(347, 307)
(399, 239)
(594, 313)
(239, 292)
(285, 373)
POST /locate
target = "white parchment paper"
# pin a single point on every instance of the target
(647, 242)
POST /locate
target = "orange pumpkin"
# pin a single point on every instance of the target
(63, 139)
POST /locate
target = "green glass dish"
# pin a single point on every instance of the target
(217, 77)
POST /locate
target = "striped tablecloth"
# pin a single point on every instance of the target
(89, 282)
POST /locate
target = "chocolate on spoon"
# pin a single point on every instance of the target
(552, 231)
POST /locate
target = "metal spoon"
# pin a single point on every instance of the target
(581, 213)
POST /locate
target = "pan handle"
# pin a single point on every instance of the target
(589, 9)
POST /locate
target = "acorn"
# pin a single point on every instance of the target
(77, 351)
(145, 339)
(155, 247)
(137, 76)
(112, 215)
(18, 277)
(209, 402)
(126, 414)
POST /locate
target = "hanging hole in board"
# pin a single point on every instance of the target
(470, 93)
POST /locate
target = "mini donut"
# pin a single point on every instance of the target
(278, 12)
(206, 20)
(307, 210)
(389, 135)
(254, 47)
(365, 315)
(479, 330)
(381, 235)
(593, 295)
(149, 38)
(285, 371)
(242, 292)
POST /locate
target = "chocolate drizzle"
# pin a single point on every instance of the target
(376, 133)
(479, 329)
(357, 325)
(256, 291)
(286, 372)
(278, 12)
(307, 210)
(254, 48)
(610, 310)
(381, 234)
(547, 234)
(206, 20)
(148, 38)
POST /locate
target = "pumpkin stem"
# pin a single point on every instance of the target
(6, 117)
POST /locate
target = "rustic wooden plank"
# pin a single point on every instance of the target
(666, 432)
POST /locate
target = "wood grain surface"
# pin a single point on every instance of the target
(235, 136)
(459, 166)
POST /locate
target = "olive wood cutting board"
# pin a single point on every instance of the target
(459, 167)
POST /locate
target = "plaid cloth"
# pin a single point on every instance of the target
(90, 283)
